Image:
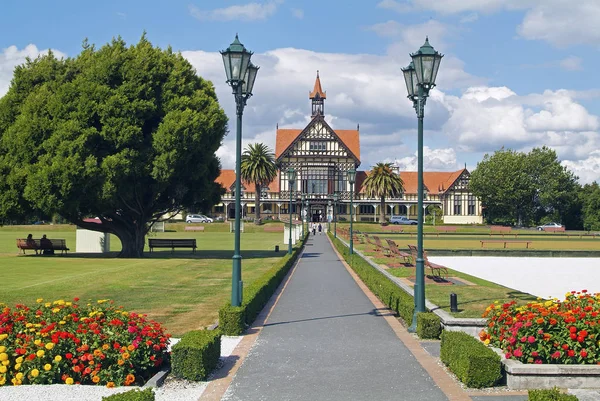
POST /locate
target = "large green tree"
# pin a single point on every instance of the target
(525, 188)
(258, 167)
(382, 182)
(590, 199)
(121, 133)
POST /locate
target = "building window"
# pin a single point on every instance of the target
(366, 209)
(471, 205)
(341, 209)
(457, 205)
(317, 145)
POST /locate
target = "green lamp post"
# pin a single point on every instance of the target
(335, 199)
(420, 78)
(291, 174)
(241, 74)
(351, 180)
(308, 216)
(302, 198)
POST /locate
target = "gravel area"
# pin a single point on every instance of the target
(172, 390)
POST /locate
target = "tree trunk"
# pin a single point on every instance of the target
(133, 239)
(382, 211)
(257, 190)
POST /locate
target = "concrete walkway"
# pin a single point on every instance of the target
(324, 340)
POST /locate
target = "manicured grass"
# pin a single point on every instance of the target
(183, 291)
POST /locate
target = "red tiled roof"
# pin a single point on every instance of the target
(350, 137)
(285, 137)
(317, 90)
(436, 182)
(227, 180)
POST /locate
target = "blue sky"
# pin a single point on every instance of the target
(516, 73)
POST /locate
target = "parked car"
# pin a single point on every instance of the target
(549, 225)
(197, 218)
(402, 220)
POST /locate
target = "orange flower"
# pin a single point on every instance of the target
(131, 348)
(96, 379)
(120, 362)
(539, 320)
(110, 384)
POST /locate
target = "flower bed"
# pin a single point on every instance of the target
(65, 342)
(549, 332)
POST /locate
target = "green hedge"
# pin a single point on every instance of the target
(133, 395)
(196, 355)
(385, 289)
(233, 320)
(470, 360)
(550, 395)
(429, 325)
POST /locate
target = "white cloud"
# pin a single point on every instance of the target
(399, 7)
(571, 63)
(12, 57)
(471, 17)
(587, 169)
(298, 13)
(246, 12)
(433, 159)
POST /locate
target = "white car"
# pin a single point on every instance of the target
(551, 226)
(197, 218)
(402, 220)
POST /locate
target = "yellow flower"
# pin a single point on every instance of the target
(17, 366)
(69, 380)
(47, 367)
(2, 380)
(49, 346)
(31, 330)
(19, 360)
(19, 376)
(2, 348)
(6, 363)
(68, 303)
(3, 356)
(39, 300)
(28, 325)
(35, 373)
(55, 310)
(47, 304)
(3, 337)
(101, 301)
(62, 322)
(40, 353)
(37, 341)
(487, 341)
(3, 369)
(57, 358)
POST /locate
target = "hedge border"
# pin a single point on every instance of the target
(196, 355)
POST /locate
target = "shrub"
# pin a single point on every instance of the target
(550, 395)
(233, 320)
(429, 325)
(547, 332)
(133, 395)
(472, 362)
(64, 342)
(386, 290)
(196, 355)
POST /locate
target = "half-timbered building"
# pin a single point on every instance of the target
(322, 157)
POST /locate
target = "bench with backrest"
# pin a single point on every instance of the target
(395, 251)
(273, 229)
(379, 247)
(436, 270)
(394, 228)
(505, 242)
(194, 228)
(554, 229)
(171, 243)
(504, 230)
(49, 244)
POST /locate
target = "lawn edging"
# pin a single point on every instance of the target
(471, 326)
(513, 253)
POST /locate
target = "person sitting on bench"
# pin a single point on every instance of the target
(46, 246)
(31, 243)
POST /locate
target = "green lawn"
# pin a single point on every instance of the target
(181, 290)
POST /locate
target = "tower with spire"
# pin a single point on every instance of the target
(317, 96)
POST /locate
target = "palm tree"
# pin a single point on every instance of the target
(258, 167)
(382, 182)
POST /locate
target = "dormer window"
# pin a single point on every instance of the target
(318, 146)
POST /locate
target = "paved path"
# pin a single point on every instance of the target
(324, 341)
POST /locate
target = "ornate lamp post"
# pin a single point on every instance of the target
(420, 79)
(308, 216)
(291, 173)
(335, 199)
(328, 221)
(351, 180)
(241, 74)
(302, 198)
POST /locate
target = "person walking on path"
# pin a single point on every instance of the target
(320, 228)
(324, 340)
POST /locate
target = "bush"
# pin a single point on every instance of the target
(386, 290)
(550, 395)
(233, 320)
(545, 332)
(429, 325)
(471, 361)
(64, 342)
(196, 355)
(133, 395)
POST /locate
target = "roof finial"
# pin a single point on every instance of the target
(317, 73)
(277, 126)
(357, 126)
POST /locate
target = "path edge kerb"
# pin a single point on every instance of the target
(440, 377)
(215, 390)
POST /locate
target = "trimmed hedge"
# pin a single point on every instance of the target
(386, 290)
(233, 320)
(470, 360)
(429, 325)
(196, 355)
(550, 395)
(133, 395)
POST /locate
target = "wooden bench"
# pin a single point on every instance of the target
(49, 244)
(194, 228)
(395, 251)
(505, 242)
(436, 270)
(171, 243)
(379, 247)
(554, 229)
(501, 230)
(394, 228)
(446, 229)
(273, 229)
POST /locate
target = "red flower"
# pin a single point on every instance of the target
(68, 355)
(583, 353)
(531, 339)
(518, 353)
(583, 333)
(571, 352)
(534, 353)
